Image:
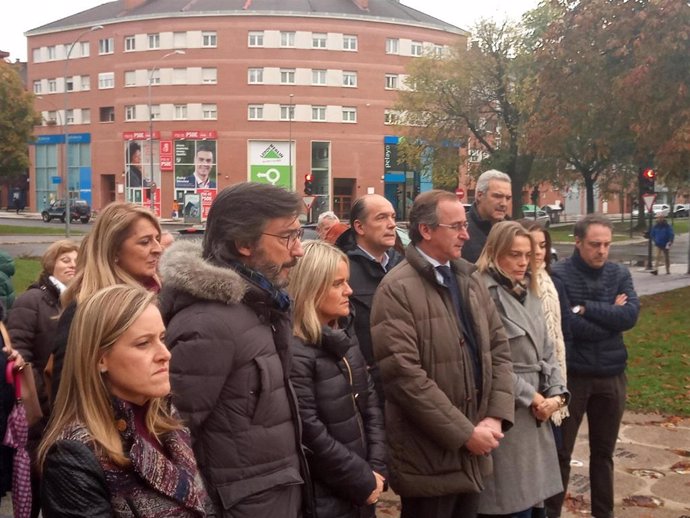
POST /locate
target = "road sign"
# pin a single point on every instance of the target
(649, 201)
(308, 201)
(460, 192)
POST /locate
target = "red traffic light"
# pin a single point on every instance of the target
(307, 177)
(649, 174)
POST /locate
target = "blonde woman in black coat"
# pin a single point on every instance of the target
(343, 431)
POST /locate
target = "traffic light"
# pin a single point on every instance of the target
(647, 178)
(308, 184)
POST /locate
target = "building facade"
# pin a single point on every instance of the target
(163, 102)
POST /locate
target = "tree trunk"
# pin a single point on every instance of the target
(589, 188)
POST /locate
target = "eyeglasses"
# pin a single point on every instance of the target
(455, 227)
(291, 238)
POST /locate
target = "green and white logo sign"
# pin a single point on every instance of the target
(269, 162)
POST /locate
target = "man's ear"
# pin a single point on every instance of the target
(425, 231)
(358, 227)
(244, 249)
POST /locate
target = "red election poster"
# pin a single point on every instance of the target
(207, 197)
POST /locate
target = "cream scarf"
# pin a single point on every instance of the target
(552, 314)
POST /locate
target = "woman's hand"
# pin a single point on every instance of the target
(376, 493)
(13, 355)
(547, 407)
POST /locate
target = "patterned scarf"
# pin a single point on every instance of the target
(280, 299)
(517, 289)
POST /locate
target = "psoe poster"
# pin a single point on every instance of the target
(270, 162)
(195, 160)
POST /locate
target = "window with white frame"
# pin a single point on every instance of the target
(438, 51)
(69, 84)
(130, 112)
(256, 76)
(179, 40)
(209, 39)
(155, 112)
(318, 113)
(391, 117)
(65, 50)
(38, 87)
(52, 86)
(106, 80)
(349, 114)
(417, 49)
(287, 112)
(154, 41)
(85, 116)
(155, 77)
(106, 114)
(209, 111)
(130, 44)
(85, 83)
(392, 46)
(52, 53)
(349, 78)
(318, 40)
(391, 81)
(287, 76)
(69, 116)
(287, 39)
(256, 39)
(180, 112)
(318, 77)
(85, 49)
(209, 76)
(349, 42)
(51, 117)
(130, 78)
(256, 112)
(36, 55)
(106, 46)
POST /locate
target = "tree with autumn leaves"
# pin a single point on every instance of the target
(590, 89)
(17, 120)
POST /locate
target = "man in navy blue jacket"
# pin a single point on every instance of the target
(603, 304)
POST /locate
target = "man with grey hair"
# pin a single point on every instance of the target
(228, 328)
(324, 223)
(491, 200)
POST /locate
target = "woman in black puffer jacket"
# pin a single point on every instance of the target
(342, 423)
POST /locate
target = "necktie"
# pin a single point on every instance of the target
(451, 282)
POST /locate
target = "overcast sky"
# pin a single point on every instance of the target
(28, 14)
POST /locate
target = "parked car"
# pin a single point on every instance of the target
(657, 208)
(681, 210)
(79, 210)
(542, 217)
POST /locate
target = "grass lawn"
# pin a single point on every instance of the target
(48, 230)
(621, 231)
(27, 270)
(659, 357)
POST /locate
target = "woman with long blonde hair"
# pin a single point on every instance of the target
(526, 470)
(341, 418)
(113, 446)
(122, 248)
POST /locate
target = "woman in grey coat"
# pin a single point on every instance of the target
(525, 464)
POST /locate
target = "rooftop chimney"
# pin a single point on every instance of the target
(362, 4)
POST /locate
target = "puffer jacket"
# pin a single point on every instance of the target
(32, 325)
(365, 277)
(597, 347)
(7, 293)
(342, 423)
(229, 375)
(662, 234)
(432, 405)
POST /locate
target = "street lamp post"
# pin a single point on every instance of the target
(152, 184)
(290, 137)
(68, 208)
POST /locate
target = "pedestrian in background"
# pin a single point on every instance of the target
(324, 223)
(604, 305)
(123, 247)
(229, 329)
(32, 324)
(662, 236)
(114, 445)
(369, 245)
(525, 470)
(342, 424)
(445, 365)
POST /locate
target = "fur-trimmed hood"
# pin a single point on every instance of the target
(183, 270)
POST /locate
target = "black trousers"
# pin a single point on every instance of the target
(603, 400)
(448, 506)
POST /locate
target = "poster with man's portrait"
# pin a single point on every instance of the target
(195, 164)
